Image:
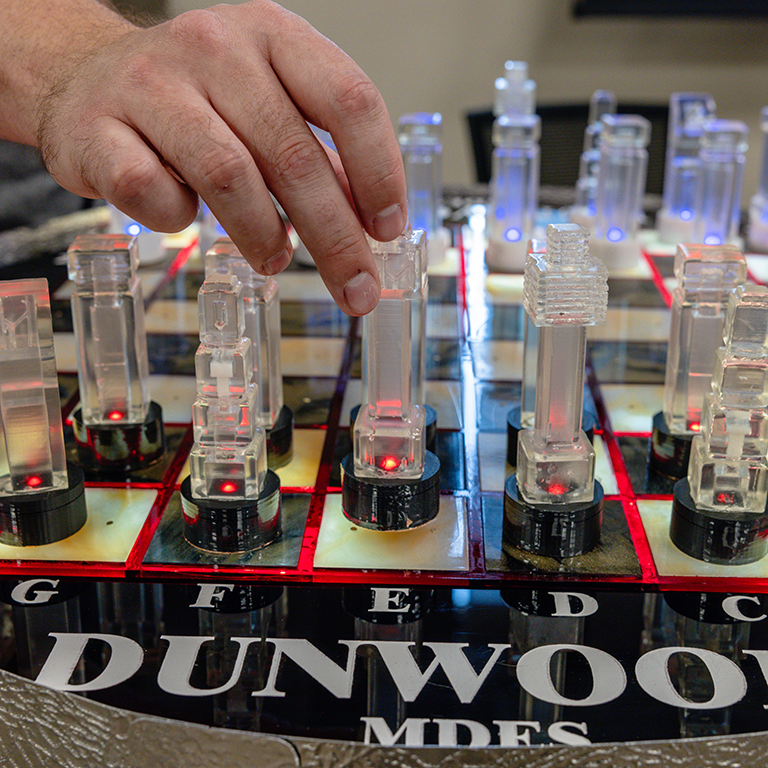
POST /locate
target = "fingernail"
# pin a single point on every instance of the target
(389, 223)
(362, 293)
(276, 263)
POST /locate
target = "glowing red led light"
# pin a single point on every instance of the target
(695, 426)
(33, 481)
(725, 498)
(228, 487)
(557, 489)
(389, 463)
(115, 415)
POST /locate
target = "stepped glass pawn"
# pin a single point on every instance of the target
(719, 511)
(230, 501)
(261, 302)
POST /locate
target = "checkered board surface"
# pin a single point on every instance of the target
(474, 356)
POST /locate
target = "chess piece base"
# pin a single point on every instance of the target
(34, 519)
(239, 525)
(120, 447)
(280, 439)
(716, 537)
(391, 505)
(430, 426)
(514, 425)
(551, 530)
(669, 452)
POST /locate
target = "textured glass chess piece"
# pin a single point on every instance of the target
(41, 495)
(117, 427)
(553, 504)
(231, 502)
(719, 513)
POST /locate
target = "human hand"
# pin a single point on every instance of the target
(216, 102)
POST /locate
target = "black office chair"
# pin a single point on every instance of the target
(562, 141)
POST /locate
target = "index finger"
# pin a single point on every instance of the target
(334, 93)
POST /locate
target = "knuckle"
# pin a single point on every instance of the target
(202, 30)
(342, 247)
(221, 168)
(355, 95)
(131, 182)
(297, 159)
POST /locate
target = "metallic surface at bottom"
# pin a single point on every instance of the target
(42, 727)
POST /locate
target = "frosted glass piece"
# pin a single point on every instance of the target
(706, 276)
(389, 429)
(718, 200)
(601, 103)
(515, 93)
(228, 459)
(228, 472)
(108, 318)
(32, 456)
(514, 178)
(421, 144)
(728, 471)
(565, 285)
(261, 306)
(746, 322)
(565, 289)
(220, 310)
(530, 353)
(688, 112)
(621, 177)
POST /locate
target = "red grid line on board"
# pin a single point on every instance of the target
(316, 505)
(658, 280)
(626, 492)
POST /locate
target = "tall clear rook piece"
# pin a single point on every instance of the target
(230, 500)
(688, 113)
(514, 191)
(757, 228)
(719, 512)
(620, 187)
(718, 199)
(706, 276)
(565, 291)
(261, 306)
(601, 103)
(117, 426)
(41, 497)
(421, 144)
(390, 480)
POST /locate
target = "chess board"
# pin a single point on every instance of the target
(327, 583)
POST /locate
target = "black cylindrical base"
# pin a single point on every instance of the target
(34, 519)
(723, 538)
(514, 425)
(120, 447)
(430, 426)
(280, 439)
(240, 525)
(391, 505)
(669, 452)
(552, 530)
